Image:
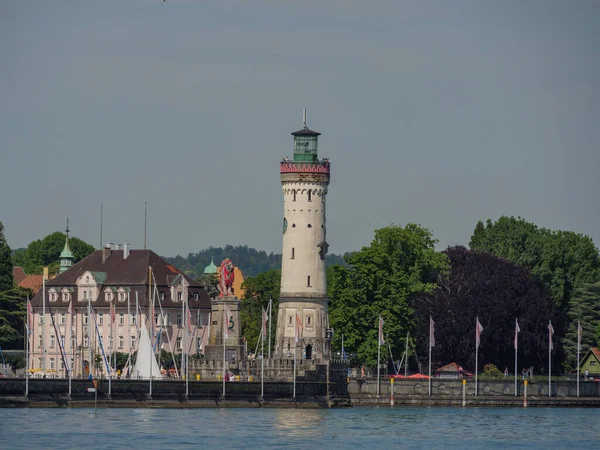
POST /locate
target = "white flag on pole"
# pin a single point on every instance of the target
(431, 332)
(517, 331)
(478, 330)
(381, 338)
(550, 333)
(579, 331)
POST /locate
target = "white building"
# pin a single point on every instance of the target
(120, 279)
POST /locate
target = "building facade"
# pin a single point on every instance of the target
(106, 298)
(303, 299)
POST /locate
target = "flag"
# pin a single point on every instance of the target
(478, 330)
(298, 327)
(550, 333)
(264, 322)
(579, 331)
(227, 317)
(517, 331)
(431, 332)
(381, 339)
(70, 310)
(189, 320)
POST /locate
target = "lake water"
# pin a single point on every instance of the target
(374, 427)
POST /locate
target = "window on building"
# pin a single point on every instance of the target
(63, 319)
(85, 319)
(179, 320)
(121, 318)
(52, 364)
(309, 196)
(293, 253)
(132, 341)
(179, 296)
(40, 341)
(121, 296)
(162, 296)
(179, 343)
(85, 295)
(134, 319)
(294, 195)
(308, 321)
(156, 319)
(166, 319)
(196, 297)
(52, 341)
(86, 341)
(109, 296)
(100, 318)
(121, 341)
(308, 281)
(41, 318)
(66, 297)
(62, 364)
(290, 320)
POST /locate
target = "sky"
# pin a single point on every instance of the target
(441, 113)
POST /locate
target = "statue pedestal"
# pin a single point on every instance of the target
(226, 310)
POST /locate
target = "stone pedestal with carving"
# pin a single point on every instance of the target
(225, 309)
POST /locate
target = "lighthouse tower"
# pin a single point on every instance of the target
(303, 298)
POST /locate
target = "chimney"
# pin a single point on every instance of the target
(125, 251)
(106, 252)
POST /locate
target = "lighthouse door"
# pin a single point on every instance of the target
(309, 352)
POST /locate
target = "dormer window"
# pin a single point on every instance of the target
(66, 296)
(108, 295)
(196, 297)
(179, 296)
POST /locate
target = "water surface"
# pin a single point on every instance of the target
(374, 427)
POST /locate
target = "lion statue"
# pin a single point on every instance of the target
(226, 277)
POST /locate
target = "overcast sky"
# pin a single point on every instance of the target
(441, 113)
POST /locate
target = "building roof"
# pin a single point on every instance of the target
(116, 272)
(66, 253)
(33, 282)
(18, 274)
(211, 268)
(452, 367)
(306, 132)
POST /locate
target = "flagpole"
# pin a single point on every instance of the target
(343, 353)
(378, 356)
(578, 347)
(516, 355)
(406, 357)
(112, 346)
(430, 335)
(44, 325)
(295, 348)
(262, 355)
(270, 315)
(549, 358)
(476, 351)
(185, 335)
(224, 325)
(27, 351)
(71, 364)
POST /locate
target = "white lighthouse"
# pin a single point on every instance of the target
(303, 298)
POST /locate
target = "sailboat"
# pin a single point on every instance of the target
(146, 365)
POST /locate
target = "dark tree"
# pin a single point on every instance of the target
(498, 292)
(6, 266)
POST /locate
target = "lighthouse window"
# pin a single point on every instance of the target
(309, 225)
(310, 196)
(294, 195)
(308, 283)
(293, 252)
(290, 320)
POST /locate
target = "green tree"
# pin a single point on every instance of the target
(563, 260)
(380, 279)
(585, 308)
(46, 252)
(6, 266)
(12, 315)
(257, 292)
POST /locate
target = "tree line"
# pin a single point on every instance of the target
(512, 270)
